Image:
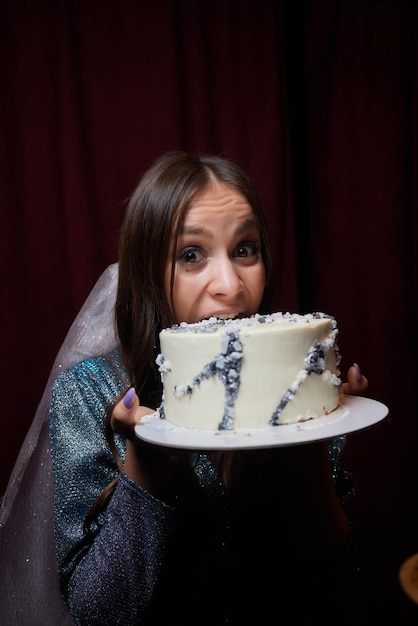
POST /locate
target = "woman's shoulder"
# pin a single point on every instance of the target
(109, 364)
(102, 375)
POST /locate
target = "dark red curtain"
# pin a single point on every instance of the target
(316, 99)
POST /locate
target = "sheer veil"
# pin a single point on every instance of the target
(29, 593)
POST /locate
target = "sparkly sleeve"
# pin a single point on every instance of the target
(122, 556)
(115, 581)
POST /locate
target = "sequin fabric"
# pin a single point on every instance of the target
(205, 558)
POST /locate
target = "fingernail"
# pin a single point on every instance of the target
(128, 399)
(358, 371)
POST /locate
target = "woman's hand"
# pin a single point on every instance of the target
(127, 413)
(356, 383)
(146, 464)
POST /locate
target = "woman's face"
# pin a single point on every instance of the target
(219, 270)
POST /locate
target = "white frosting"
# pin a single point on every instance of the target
(250, 373)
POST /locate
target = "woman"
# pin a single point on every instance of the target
(177, 537)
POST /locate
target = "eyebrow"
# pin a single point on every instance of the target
(200, 230)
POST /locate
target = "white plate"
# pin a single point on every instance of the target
(354, 413)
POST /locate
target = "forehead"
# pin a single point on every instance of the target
(218, 203)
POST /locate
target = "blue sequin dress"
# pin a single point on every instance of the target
(205, 557)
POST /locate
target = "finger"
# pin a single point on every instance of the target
(124, 418)
(356, 382)
(124, 410)
(129, 398)
(127, 414)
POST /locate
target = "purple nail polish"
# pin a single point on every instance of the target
(128, 399)
(358, 371)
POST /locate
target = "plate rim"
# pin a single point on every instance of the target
(363, 413)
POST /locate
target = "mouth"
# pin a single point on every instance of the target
(225, 316)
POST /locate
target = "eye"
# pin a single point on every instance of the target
(190, 256)
(246, 249)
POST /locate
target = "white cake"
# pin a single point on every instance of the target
(254, 372)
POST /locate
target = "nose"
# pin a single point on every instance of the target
(225, 278)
